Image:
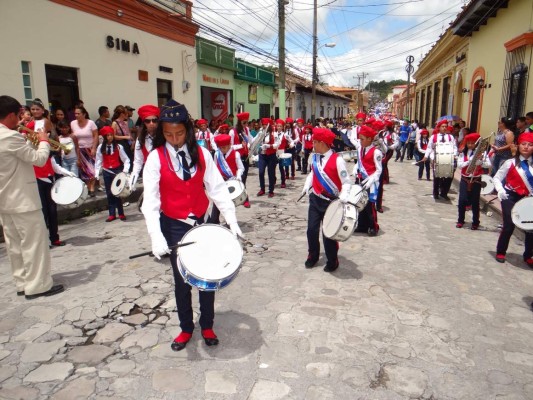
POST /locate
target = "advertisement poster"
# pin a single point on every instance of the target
(219, 105)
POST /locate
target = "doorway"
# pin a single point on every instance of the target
(62, 86)
(474, 113)
(164, 91)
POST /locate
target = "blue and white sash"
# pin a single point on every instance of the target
(223, 164)
(373, 191)
(524, 164)
(323, 178)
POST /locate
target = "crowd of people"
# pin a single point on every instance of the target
(185, 165)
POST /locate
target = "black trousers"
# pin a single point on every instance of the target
(508, 228)
(246, 164)
(410, 150)
(379, 201)
(49, 208)
(421, 167)
(469, 198)
(441, 185)
(267, 162)
(293, 161)
(283, 171)
(317, 209)
(174, 230)
(305, 167)
(298, 156)
(114, 203)
(368, 218)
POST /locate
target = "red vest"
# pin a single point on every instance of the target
(206, 136)
(145, 151)
(284, 142)
(269, 152)
(237, 140)
(180, 198)
(331, 171)
(368, 160)
(232, 163)
(515, 182)
(478, 171)
(111, 161)
(307, 141)
(45, 171)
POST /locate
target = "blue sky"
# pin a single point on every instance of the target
(371, 36)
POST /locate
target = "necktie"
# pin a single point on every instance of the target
(524, 164)
(321, 158)
(186, 172)
(108, 149)
(442, 137)
(364, 151)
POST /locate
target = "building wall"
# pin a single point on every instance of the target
(71, 38)
(213, 79)
(264, 96)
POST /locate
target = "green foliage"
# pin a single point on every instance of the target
(383, 88)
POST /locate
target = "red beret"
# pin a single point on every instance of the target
(107, 130)
(323, 135)
(450, 128)
(201, 122)
(471, 137)
(309, 126)
(148, 110)
(360, 116)
(525, 137)
(441, 123)
(378, 125)
(280, 121)
(222, 139)
(289, 120)
(300, 120)
(370, 121)
(244, 116)
(367, 131)
(265, 121)
(223, 126)
(424, 132)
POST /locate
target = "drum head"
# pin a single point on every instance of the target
(285, 155)
(235, 188)
(333, 218)
(522, 214)
(118, 184)
(67, 190)
(215, 255)
(487, 184)
(356, 192)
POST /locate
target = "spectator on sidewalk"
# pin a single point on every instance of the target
(122, 131)
(405, 131)
(503, 142)
(69, 158)
(86, 132)
(103, 119)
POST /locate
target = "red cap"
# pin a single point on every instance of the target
(289, 120)
(265, 121)
(441, 123)
(323, 135)
(471, 137)
(222, 139)
(223, 126)
(201, 122)
(360, 116)
(280, 121)
(244, 116)
(525, 137)
(148, 110)
(367, 131)
(107, 130)
(300, 120)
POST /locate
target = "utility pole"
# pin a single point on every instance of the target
(281, 56)
(315, 55)
(409, 69)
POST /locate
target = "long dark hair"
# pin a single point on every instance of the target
(190, 140)
(114, 143)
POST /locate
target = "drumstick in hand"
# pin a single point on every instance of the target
(149, 253)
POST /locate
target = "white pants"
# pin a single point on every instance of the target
(27, 246)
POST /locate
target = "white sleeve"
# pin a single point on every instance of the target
(501, 174)
(343, 175)
(429, 149)
(395, 142)
(309, 180)
(58, 169)
(98, 161)
(240, 165)
(378, 156)
(277, 142)
(138, 159)
(125, 159)
(151, 207)
(217, 190)
(461, 163)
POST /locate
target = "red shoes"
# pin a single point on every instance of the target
(261, 193)
(500, 258)
(459, 225)
(529, 261)
(110, 218)
(209, 336)
(283, 186)
(181, 341)
(56, 243)
(122, 217)
(246, 204)
(271, 194)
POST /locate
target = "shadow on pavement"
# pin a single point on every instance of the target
(529, 301)
(516, 260)
(79, 277)
(347, 270)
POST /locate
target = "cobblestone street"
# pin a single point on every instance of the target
(422, 311)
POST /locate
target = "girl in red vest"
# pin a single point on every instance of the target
(420, 149)
(470, 186)
(517, 173)
(267, 158)
(112, 159)
(149, 115)
(241, 140)
(307, 141)
(178, 177)
(285, 143)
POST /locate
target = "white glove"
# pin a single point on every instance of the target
(479, 162)
(502, 195)
(380, 141)
(159, 246)
(344, 196)
(71, 174)
(236, 230)
(367, 183)
(264, 146)
(305, 190)
(132, 181)
(238, 178)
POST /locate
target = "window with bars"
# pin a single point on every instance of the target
(514, 84)
(26, 82)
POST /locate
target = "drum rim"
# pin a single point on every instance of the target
(68, 178)
(514, 212)
(343, 219)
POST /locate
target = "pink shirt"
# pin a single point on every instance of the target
(85, 134)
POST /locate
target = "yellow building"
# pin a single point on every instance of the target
(499, 60)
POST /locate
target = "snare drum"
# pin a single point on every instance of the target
(119, 186)
(213, 261)
(340, 220)
(285, 159)
(237, 191)
(487, 184)
(522, 214)
(69, 192)
(359, 197)
(444, 160)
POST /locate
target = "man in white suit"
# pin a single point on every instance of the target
(20, 207)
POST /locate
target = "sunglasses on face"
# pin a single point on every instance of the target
(151, 120)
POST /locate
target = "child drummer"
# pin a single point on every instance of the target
(327, 180)
(109, 157)
(470, 186)
(517, 173)
(229, 164)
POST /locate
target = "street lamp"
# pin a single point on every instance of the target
(315, 75)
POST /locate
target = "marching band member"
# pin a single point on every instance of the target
(177, 175)
(368, 172)
(470, 185)
(205, 134)
(297, 137)
(391, 141)
(379, 127)
(354, 133)
(327, 180)
(307, 142)
(421, 146)
(241, 140)
(229, 164)
(292, 138)
(149, 115)
(268, 158)
(517, 173)
(440, 135)
(109, 157)
(281, 136)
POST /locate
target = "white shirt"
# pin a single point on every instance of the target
(246, 134)
(138, 157)
(341, 169)
(448, 137)
(100, 159)
(277, 141)
(297, 133)
(238, 161)
(504, 169)
(58, 169)
(378, 156)
(214, 184)
(462, 164)
(207, 135)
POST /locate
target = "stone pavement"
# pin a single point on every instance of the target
(422, 312)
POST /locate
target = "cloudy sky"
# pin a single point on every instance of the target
(373, 37)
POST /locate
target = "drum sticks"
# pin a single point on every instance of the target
(149, 253)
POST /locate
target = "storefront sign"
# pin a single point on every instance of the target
(217, 81)
(219, 106)
(121, 44)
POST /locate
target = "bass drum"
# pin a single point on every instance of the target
(119, 186)
(340, 220)
(487, 184)
(69, 192)
(444, 160)
(522, 214)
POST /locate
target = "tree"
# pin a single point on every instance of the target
(383, 88)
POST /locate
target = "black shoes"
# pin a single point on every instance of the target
(181, 341)
(445, 196)
(21, 293)
(331, 267)
(372, 232)
(209, 336)
(310, 263)
(54, 290)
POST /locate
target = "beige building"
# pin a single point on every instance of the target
(106, 53)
